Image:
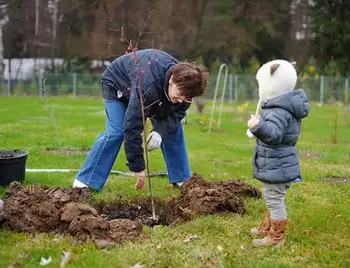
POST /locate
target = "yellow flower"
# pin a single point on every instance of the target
(311, 69)
(256, 66)
(243, 108)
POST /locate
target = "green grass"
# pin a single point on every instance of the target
(319, 229)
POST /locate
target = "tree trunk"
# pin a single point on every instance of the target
(36, 36)
(2, 69)
(53, 46)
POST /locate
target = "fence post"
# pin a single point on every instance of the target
(346, 91)
(40, 83)
(230, 95)
(321, 89)
(9, 80)
(8, 86)
(74, 85)
(236, 88)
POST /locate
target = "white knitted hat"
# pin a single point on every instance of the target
(275, 78)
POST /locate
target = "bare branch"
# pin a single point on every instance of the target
(142, 28)
(123, 35)
(107, 14)
(133, 26)
(113, 29)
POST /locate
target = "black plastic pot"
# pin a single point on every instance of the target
(12, 166)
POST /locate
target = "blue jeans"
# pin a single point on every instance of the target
(100, 159)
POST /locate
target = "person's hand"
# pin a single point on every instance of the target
(154, 139)
(254, 121)
(140, 180)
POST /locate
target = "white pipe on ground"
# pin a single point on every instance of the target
(127, 174)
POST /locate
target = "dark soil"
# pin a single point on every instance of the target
(42, 209)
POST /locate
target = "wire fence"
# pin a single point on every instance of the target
(239, 88)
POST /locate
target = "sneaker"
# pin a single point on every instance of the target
(178, 184)
(79, 184)
(171, 186)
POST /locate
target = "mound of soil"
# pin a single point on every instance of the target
(198, 197)
(42, 209)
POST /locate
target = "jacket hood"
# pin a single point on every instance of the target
(295, 102)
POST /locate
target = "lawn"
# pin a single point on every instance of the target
(319, 228)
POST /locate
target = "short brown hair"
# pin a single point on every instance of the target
(191, 78)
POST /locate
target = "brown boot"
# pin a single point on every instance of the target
(276, 235)
(263, 228)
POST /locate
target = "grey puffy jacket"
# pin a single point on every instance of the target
(275, 158)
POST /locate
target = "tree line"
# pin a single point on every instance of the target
(235, 32)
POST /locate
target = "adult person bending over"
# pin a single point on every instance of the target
(168, 87)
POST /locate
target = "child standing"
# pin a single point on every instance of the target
(276, 125)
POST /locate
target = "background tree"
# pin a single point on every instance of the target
(229, 31)
(331, 29)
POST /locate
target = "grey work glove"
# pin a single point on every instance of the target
(154, 139)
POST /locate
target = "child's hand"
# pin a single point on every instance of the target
(254, 121)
